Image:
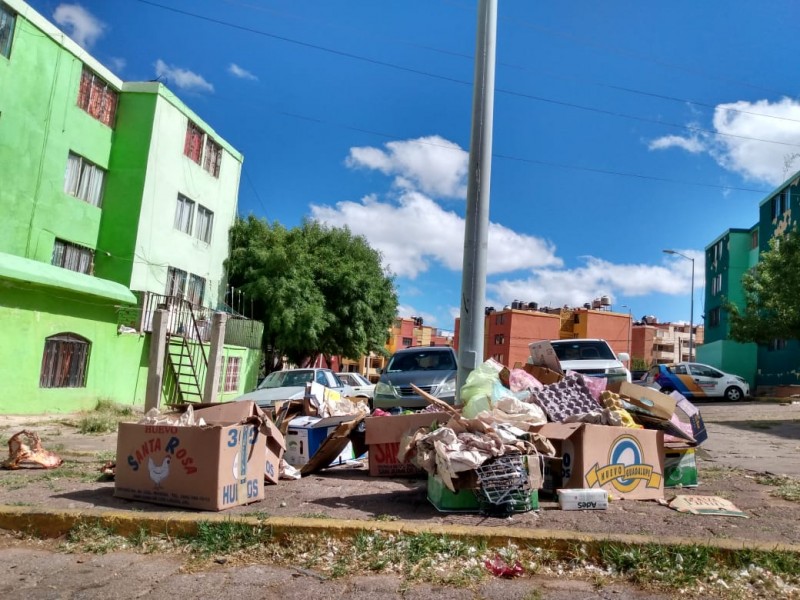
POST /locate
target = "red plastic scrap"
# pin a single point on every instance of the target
(30, 455)
(501, 568)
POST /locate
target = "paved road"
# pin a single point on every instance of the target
(757, 436)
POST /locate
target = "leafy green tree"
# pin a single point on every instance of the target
(772, 295)
(319, 290)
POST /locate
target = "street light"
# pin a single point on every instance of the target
(630, 327)
(691, 314)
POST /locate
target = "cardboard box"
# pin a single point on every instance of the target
(680, 467)
(313, 443)
(543, 374)
(467, 500)
(383, 435)
(218, 466)
(628, 463)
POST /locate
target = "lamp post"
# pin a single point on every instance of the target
(691, 313)
(630, 327)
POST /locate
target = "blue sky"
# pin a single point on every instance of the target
(621, 129)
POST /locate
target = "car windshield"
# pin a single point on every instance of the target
(287, 379)
(583, 350)
(421, 361)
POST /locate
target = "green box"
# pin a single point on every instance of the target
(467, 500)
(680, 467)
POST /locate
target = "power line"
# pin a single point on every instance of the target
(617, 114)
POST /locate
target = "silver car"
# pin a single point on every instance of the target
(291, 385)
(431, 368)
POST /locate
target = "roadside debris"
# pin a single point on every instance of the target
(30, 455)
(500, 568)
(706, 505)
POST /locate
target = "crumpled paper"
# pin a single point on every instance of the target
(186, 419)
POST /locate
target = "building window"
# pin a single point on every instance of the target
(205, 222)
(197, 289)
(499, 339)
(176, 282)
(73, 257)
(64, 361)
(7, 20)
(754, 239)
(97, 98)
(407, 341)
(499, 319)
(84, 180)
(232, 373)
(213, 157)
(779, 204)
(184, 214)
(713, 317)
(193, 146)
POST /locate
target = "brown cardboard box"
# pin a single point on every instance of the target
(543, 374)
(649, 400)
(214, 467)
(627, 462)
(544, 355)
(383, 436)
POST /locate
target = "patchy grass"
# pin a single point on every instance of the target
(314, 515)
(385, 518)
(70, 470)
(788, 488)
(690, 570)
(707, 474)
(103, 419)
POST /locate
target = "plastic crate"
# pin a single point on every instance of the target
(504, 486)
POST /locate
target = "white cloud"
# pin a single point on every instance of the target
(574, 287)
(241, 73)
(79, 24)
(433, 165)
(691, 144)
(117, 64)
(182, 78)
(416, 232)
(759, 139)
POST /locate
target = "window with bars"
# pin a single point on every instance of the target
(193, 145)
(64, 361)
(205, 223)
(197, 290)
(176, 282)
(713, 317)
(7, 20)
(97, 98)
(73, 257)
(213, 157)
(232, 369)
(84, 180)
(184, 214)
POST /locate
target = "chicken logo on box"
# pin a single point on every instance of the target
(159, 472)
(625, 469)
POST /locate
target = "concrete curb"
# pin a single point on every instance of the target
(49, 524)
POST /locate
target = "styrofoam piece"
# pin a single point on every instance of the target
(583, 499)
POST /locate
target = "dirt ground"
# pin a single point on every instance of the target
(744, 441)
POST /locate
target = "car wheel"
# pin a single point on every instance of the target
(733, 394)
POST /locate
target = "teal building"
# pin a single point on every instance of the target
(728, 257)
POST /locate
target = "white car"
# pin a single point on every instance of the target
(360, 385)
(696, 380)
(592, 357)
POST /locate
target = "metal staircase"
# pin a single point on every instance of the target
(186, 353)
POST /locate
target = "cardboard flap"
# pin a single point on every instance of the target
(544, 355)
(649, 400)
(558, 431)
(331, 447)
(543, 374)
(228, 412)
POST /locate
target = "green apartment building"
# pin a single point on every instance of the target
(116, 198)
(727, 258)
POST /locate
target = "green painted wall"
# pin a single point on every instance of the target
(124, 188)
(731, 357)
(117, 362)
(40, 124)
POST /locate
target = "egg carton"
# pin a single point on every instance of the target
(568, 397)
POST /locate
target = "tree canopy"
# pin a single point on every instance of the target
(318, 290)
(772, 295)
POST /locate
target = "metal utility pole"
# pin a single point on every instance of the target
(691, 307)
(476, 230)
